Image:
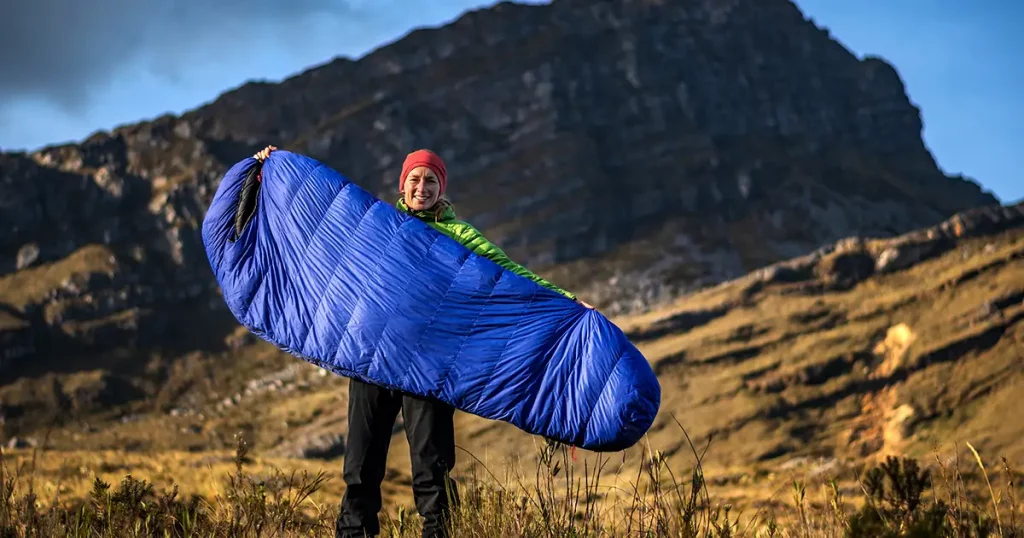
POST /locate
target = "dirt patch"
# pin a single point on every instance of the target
(892, 349)
(882, 424)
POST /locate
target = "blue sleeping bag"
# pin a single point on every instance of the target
(329, 273)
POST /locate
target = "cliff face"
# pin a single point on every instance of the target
(624, 148)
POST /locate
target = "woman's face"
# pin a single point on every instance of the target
(420, 189)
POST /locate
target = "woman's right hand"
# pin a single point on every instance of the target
(264, 153)
(585, 305)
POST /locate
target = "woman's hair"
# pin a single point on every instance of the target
(440, 207)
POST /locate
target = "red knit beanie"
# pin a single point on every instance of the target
(424, 157)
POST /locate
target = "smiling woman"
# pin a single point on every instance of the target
(423, 314)
(423, 181)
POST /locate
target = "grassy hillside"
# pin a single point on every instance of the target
(778, 379)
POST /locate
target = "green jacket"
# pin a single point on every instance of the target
(471, 238)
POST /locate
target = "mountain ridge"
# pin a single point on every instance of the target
(628, 150)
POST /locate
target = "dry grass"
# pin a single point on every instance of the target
(561, 497)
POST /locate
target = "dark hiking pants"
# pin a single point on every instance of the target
(429, 428)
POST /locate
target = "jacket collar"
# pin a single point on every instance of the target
(428, 215)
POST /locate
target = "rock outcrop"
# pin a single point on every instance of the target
(852, 260)
(627, 149)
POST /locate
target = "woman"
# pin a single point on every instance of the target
(429, 423)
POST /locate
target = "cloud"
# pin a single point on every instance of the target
(63, 51)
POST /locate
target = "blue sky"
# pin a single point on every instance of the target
(120, 62)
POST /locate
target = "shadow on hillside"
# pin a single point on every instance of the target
(128, 346)
(677, 324)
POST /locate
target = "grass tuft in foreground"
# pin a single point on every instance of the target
(561, 499)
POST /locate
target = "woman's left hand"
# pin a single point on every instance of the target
(264, 154)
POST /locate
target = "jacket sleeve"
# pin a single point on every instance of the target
(472, 239)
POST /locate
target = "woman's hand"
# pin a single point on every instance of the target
(264, 153)
(584, 304)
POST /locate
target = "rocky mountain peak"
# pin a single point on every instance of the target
(627, 149)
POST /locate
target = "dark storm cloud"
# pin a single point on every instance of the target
(60, 50)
